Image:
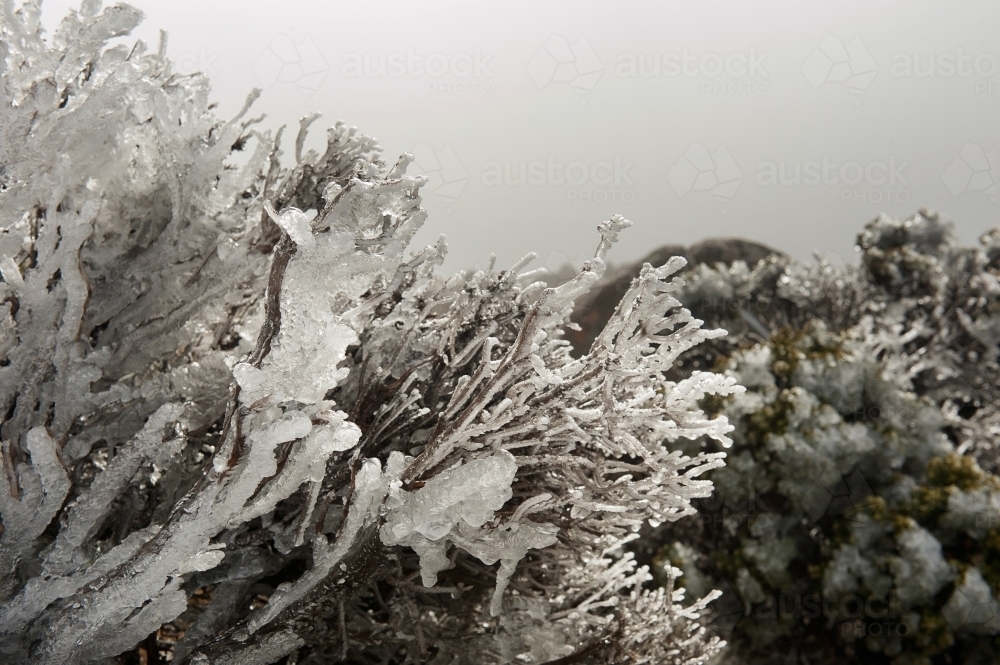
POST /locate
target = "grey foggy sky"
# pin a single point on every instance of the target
(899, 99)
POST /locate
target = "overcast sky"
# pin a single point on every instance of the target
(789, 122)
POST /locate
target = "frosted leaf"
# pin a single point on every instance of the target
(269, 649)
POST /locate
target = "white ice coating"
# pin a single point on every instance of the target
(453, 507)
(472, 493)
(295, 223)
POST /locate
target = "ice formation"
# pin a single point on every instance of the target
(240, 418)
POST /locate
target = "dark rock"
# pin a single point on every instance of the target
(728, 251)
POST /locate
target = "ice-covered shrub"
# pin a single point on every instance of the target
(858, 514)
(240, 423)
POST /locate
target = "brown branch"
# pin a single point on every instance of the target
(283, 252)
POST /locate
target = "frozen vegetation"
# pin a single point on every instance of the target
(242, 422)
(857, 518)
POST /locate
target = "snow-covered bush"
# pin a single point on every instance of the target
(858, 514)
(240, 424)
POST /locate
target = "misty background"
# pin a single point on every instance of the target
(790, 123)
